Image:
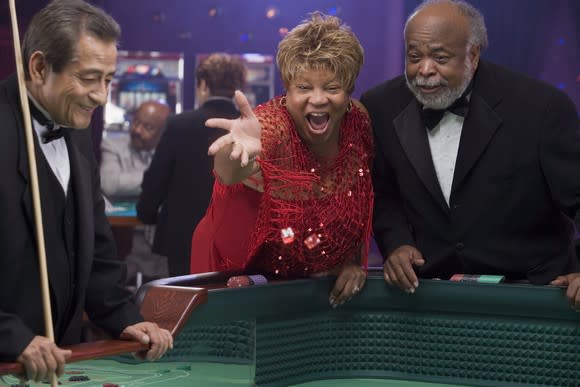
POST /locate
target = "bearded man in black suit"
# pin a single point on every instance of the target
(476, 167)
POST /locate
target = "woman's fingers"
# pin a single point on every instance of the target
(237, 150)
(243, 104)
(219, 144)
(222, 123)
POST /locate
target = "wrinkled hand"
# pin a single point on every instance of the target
(244, 133)
(350, 280)
(398, 269)
(159, 340)
(572, 282)
(41, 358)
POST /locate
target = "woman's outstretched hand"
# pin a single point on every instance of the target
(243, 140)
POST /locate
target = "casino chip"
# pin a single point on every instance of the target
(110, 385)
(239, 281)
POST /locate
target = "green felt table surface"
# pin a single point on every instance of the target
(174, 374)
(182, 374)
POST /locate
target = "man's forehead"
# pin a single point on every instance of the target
(442, 19)
(436, 32)
(91, 50)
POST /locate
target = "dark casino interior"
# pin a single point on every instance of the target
(272, 332)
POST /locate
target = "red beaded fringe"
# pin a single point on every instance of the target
(312, 216)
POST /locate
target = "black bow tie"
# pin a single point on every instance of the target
(54, 134)
(432, 117)
(51, 133)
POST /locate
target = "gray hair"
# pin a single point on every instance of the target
(477, 29)
(56, 29)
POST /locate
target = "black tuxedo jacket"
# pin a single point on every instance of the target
(516, 182)
(99, 275)
(177, 187)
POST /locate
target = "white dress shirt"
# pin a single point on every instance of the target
(444, 143)
(55, 152)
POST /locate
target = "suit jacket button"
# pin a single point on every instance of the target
(459, 246)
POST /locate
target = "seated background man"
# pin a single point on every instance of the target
(124, 161)
(125, 158)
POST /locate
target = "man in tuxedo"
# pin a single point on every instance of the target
(177, 186)
(476, 167)
(70, 56)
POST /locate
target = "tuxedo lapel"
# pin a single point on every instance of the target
(23, 166)
(82, 187)
(479, 127)
(413, 137)
(24, 171)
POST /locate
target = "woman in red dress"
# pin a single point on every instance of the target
(293, 196)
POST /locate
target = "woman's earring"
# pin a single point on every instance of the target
(283, 101)
(349, 107)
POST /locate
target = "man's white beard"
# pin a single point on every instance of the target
(446, 96)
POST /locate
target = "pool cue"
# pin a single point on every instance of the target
(48, 326)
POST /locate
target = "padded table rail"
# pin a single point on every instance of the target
(455, 333)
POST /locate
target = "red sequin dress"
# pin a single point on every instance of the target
(311, 216)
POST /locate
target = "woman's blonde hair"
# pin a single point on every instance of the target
(321, 43)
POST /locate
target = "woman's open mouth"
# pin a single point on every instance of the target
(318, 122)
